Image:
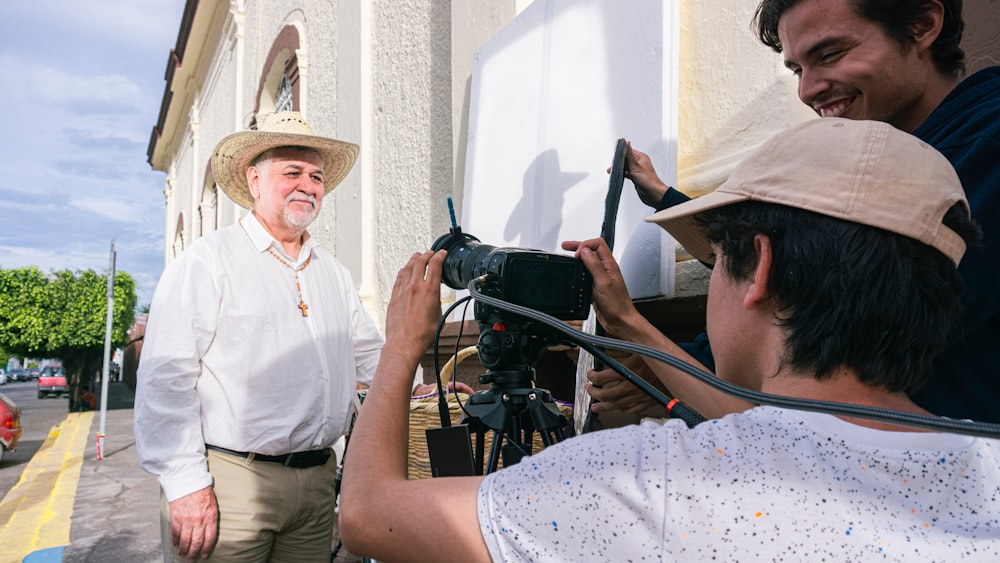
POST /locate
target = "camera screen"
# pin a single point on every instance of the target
(543, 285)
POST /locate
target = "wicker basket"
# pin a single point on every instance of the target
(424, 414)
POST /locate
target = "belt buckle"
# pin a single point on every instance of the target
(288, 461)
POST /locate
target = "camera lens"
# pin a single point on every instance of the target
(465, 252)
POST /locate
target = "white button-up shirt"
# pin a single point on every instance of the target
(228, 359)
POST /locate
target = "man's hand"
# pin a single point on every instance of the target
(429, 388)
(415, 308)
(639, 169)
(194, 523)
(611, 300)
(615, 393)
(415, 305)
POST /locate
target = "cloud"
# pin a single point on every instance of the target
(102, 141)
(49, 259)
(107, 94)
(146, 25)
(144, 264)
(83, 91)
(109, 208)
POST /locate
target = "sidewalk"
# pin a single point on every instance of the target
(116, 515)
(70, 506)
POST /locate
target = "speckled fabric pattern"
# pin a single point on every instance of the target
(766, 485)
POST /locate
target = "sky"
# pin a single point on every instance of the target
(79, 95)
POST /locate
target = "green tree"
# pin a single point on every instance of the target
(64, 316)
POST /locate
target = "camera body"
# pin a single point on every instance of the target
(554, 284)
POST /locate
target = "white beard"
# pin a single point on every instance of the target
(296, 220)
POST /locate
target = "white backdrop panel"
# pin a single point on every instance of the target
(551, 94)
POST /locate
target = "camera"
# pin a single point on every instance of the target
(556, 285)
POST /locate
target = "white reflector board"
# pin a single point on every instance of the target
(552, 92)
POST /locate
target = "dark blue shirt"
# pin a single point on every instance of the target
(966, 129)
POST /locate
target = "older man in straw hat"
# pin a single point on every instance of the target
(255, 343)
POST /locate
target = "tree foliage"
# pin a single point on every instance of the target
(63, 315)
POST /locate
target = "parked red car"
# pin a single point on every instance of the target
(52, 382)
(10, 425)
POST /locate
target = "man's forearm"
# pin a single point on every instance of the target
(384, 515)
(706, 400)
(375, 462)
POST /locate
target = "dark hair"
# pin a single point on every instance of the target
(897, 18)
(848, 295)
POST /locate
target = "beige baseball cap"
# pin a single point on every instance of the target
(866, 172)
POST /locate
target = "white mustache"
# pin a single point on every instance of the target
(308, 199)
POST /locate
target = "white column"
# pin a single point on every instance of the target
(302, 58)
(171, 218)
(238, 10)
(193, 225)
(355, 196)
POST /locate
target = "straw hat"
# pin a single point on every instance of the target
(235, 153)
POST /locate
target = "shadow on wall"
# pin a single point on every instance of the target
(543, 191)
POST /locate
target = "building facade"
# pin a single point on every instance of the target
(393, 76)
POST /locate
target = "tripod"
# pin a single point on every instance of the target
(514, 411)
(512, 408)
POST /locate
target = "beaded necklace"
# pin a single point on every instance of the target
(298, 287)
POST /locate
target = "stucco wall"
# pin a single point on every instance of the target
(734, 92)
(981, 39)
(412, 129)
(407, 65)
(393, 76)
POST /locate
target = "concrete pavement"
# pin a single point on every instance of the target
(70, 506)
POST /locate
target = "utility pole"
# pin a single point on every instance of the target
(107, 352)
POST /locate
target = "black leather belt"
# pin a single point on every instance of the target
(299, 460)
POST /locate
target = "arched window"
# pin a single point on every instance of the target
(278, 89)
(283, 97)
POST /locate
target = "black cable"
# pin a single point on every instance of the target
(673, 407)
(968, 427)
(454, 371)
(442, 395)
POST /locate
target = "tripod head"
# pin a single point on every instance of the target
(513, 408)
(508, 342)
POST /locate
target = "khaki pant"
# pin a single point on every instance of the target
(267, 512)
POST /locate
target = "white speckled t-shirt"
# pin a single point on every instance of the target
(768, 484)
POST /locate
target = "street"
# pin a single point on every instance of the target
(38, 416)
(71, 506)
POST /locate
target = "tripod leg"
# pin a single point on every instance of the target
(550, 437)
(546, 418)
(495, 448)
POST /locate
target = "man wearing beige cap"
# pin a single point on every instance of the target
(836, 247)
(902, 62)
(255, 344)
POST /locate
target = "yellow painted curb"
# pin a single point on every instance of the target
(36, 514)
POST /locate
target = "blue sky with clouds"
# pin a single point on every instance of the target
(80, 93)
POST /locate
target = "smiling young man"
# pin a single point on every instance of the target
(793, 303)
(897, 61)
(851, 65)
(900, 61)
